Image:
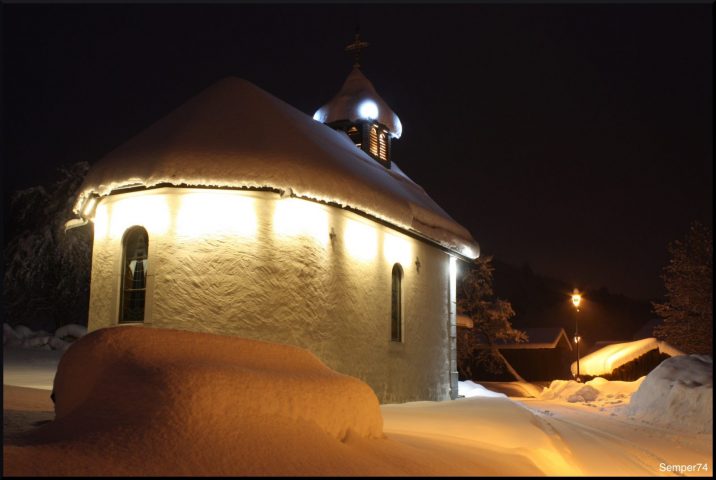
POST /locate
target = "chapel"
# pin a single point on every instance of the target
(238, 214)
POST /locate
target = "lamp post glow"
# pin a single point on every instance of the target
(576, 300)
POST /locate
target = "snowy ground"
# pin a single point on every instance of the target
(32, 368)
(605, 444)
(472, 436)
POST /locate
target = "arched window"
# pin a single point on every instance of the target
(396, 304)
(134, 275)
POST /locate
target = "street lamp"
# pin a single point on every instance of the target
(576, 299)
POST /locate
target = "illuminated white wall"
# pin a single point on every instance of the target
(284, 270)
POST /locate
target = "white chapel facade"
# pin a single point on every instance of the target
(238, 214)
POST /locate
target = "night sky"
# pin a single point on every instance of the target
(575, 138)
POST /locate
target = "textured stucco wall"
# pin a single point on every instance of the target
(284, 270)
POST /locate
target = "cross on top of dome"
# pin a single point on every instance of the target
(356, 47)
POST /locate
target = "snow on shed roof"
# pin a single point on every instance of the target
(353, 102)
(236, 135)
(537, 338)
(607, 359)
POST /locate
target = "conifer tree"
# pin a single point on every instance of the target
(47, 270)
(688, 310)
(491, 322)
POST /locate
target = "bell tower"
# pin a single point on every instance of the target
(360, 112)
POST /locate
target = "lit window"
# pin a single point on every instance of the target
(382, 148)
(396, 304)
(374, 141)
(134, 275)
(355, 135)
(378, 143)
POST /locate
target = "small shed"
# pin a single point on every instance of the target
(626, 361)
(546, 355)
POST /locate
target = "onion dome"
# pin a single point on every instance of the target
(358, 101)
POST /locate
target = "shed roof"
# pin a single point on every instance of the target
(538, 337)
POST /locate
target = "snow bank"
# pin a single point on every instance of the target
(23, 332)
(597, 392)
(27, 338)
(144, 401)
(9, 336)
(607, 359)
(71, 330)
(469, 389)
(194, 379)
(677, 394)
(585, 394)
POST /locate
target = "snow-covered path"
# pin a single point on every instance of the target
(611, 444)
(527, 436)
(496, 433)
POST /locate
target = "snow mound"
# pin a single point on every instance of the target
(71, 330)
(469, 389)
(23, 332)
(677, 394)
(176, 383)
(25, 337)
(9, 336)
(605, 360)
(585, 394)
(597, 392)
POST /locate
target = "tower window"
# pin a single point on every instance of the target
(378, 143)
(355, 135)
(374, 149)
(396, 304)
(134, 275)
(382, 148)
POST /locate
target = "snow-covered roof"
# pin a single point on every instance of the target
(537, 338)
(236, 135)
(358, 100)
(605, 360)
